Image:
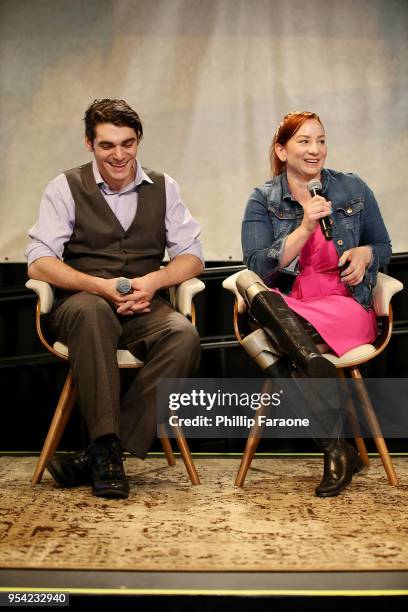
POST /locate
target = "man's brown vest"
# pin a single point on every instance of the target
(99, 245)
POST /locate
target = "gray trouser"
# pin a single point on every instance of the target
(163, 339)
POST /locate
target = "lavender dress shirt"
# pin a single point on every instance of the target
(57, 216)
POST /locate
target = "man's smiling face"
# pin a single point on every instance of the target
(115, 150)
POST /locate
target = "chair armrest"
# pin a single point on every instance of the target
(183, 296)
(45, 294)
(230, 285)
(383, 291)
(182, 301)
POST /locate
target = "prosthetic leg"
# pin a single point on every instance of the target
(281, 324)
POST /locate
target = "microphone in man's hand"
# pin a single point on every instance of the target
(123, 285)
(314, 187)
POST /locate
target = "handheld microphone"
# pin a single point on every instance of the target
(123, 285)
(314, 187)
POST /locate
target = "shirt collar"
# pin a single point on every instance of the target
(140, 178)
(286, 194)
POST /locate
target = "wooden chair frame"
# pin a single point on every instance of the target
(351, 368)
(180, 298)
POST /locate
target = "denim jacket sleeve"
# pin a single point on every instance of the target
(262, 248)
(374, 234)
(268, 220)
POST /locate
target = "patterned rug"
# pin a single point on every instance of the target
(274, 524)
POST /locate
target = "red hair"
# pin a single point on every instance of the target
(286, 129)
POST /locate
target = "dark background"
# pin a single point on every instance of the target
(31, 379)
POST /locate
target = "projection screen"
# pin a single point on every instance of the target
(211, 79)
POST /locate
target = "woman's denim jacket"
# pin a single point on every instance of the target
(271, 214)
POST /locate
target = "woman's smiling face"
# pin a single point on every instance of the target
(305, 152)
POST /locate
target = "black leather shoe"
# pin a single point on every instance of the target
(71, 470)
(341, 461)
(108, 476)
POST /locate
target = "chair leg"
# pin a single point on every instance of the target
(253, 440)
(186, 455)
(362, 451)
(165, 442)
(250, 450)
(375, 427)
(62, 413)
(361, 447)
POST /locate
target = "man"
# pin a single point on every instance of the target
(108, 219)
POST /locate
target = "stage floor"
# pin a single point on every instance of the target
(260, 537)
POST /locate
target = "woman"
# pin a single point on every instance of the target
(322, 288)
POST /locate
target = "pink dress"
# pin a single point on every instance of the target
(319, 296)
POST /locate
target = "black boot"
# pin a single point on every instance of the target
(341, 461)
(108, 476)
(282, 325)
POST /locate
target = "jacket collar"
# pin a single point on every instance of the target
(286, 194)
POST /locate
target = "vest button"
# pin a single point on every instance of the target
(339, 242)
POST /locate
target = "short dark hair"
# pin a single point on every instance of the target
(113, 111)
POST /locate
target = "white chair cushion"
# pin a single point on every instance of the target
(125, 358)
(258, 343)
(61, 349)
(359, 353)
